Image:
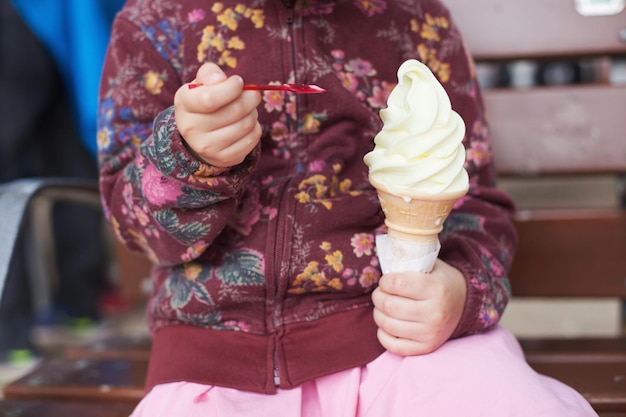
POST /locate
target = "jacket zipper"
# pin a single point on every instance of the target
(280, 226)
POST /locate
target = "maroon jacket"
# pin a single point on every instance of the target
(263, 271)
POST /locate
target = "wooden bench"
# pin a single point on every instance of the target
(105, 378)
(41, 408)
(564, 134)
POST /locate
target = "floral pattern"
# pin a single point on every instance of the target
(207, 228)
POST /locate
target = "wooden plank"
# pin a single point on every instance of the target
(504, 29)
(63, 379)
(122, 347)
(38, 408)
(558, 129)
(574, 256)
(573, 350)
(602, 384)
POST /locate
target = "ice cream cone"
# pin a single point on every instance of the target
(415, 217)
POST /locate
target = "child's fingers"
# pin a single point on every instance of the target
(403, 347)
(208, 98)
(208, 74)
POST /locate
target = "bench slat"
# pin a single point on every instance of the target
(104, 380)
(574, 129)
(38, 408)
(553, 252)
(504, 29)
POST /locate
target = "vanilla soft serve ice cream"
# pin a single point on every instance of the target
(417, 168)
(419, 149)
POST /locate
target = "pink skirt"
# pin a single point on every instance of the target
(483, 375)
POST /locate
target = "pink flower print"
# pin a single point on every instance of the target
(361, 68)
(274, 100)
(279, 131)
(270, 212)
(349, 276)
(158, 189)
(290, 109)
(338, 54)
(236, 325)
(194, 251)
(380, 94)
(480, 129)
(196, 15)
(369, 276)
(127, 194)
(317, 166)
(479, 153)
(362, 244)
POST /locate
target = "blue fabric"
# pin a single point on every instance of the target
(76, 32)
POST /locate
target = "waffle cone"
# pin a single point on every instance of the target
(415, 217)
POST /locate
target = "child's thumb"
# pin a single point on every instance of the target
(210, 73)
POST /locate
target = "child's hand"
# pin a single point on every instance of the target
(418, 312)
(218, 120)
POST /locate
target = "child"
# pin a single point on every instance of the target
(257, 213)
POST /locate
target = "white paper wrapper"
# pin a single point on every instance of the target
(396, 255)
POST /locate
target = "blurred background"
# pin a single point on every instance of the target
(51, 53)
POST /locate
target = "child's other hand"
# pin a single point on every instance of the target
(418, 312)
(218, 120)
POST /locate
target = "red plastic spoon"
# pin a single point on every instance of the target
(293, 88)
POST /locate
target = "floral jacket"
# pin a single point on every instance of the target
(263, 271)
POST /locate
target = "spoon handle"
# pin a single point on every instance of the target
(294, 88)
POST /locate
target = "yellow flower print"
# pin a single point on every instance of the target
(236, 43)
(335, 260)
(220, 39)
(335, 283)
(429, 57)
(311, 124)
(314, 279)
(191, 270)
(303, 197)
(318, 190)
(207, 35)
(439, 21)
(430, 30)
(415, 26)
(311, 273)
(152, 82)
(258, 19)
(217, 42)
(229, 19)
(115, 225)
(227, 59)
(206, 174)
(103, 138)
(135, 140)
(325, 246)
